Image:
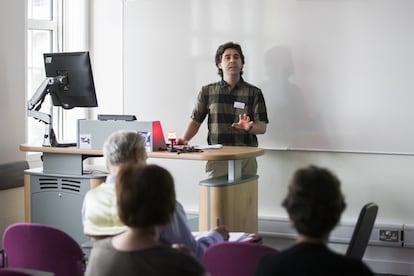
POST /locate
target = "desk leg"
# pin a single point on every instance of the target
(235, 205)
(27, 198)
(234, 170)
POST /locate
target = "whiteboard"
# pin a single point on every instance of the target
(336, 75)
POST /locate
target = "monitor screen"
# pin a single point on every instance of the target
(74, 85)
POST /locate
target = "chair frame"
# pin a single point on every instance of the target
(3, 257)
(362, 231)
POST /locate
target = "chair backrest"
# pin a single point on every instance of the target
(362, 231)
(234, 258)
(42, 247)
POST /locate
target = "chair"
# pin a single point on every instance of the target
(23, 272)
(234, 258)
(362, 231)
(6, 272)
(42, 247)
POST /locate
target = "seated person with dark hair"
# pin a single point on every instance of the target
(145, 210)
(314, 203)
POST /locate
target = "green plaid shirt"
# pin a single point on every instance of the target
(223, 107)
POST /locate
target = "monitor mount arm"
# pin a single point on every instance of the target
(35, 103)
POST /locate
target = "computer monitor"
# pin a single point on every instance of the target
(74, 86)
(69, 82)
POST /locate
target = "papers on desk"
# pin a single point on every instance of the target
(234, 236)
(206, 147)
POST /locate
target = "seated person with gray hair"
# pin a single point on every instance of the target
(144, 210)
(99, 212)
(314, 203)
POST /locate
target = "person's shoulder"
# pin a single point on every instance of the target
(272, 256)
(102, 195)
(347, 265)
(178, 205)
(103, 243)
(251, 86)
(269, 264)
(183, 257)
(357, 267)
(103, 188)
(179, 210)
(210, 89)
(176, 256)
(246, 83)
(288, 254)
(211, 85)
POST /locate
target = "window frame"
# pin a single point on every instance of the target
(63, 38)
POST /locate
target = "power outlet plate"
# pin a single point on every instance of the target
(389, 235)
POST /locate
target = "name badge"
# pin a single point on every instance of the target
(239, 105)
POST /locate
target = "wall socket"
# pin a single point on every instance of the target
(389, 235)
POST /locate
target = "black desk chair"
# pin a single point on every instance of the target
(362, 231)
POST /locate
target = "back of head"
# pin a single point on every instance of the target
(145, 196)
(314, 201)
(122, 146)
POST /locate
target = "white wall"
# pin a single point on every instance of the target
(12, 78)
(331, 72)
(106, 54)
(12, 101)
(385, 179)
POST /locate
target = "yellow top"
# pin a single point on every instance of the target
(99, 212)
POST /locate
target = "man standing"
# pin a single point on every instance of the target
(236, 110)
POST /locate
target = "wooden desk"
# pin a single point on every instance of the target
(67, 161)
(70, 160)
(232, 199)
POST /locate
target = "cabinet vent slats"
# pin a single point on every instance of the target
(60, 184)
(48, 183)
